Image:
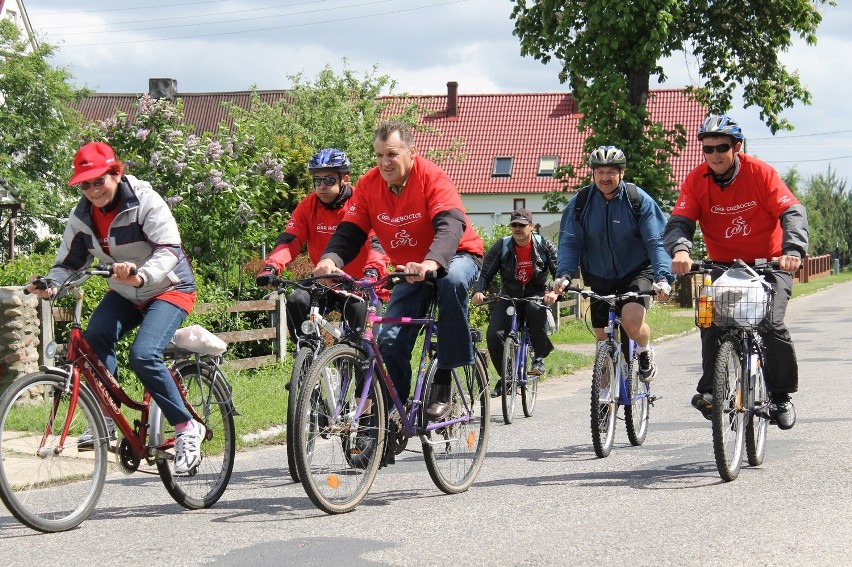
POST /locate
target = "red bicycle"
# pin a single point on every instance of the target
(50, 485)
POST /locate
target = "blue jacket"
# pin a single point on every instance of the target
(609, 242)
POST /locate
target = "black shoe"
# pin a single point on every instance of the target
(537, 368)
(647, 366)
(498, 390)
(783, 414)
(439, 401)
(704, 404)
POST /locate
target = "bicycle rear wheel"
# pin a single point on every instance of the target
(638, 406)
(209, 394)
(510, 379)
(338, 457)
(454, 453)
(758, 424)
(727, 419)
(529, 387)
(301, 363)
(604, 407)
(48, 487)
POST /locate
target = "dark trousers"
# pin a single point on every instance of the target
(782, 369)
(501, 322)
(299, 303)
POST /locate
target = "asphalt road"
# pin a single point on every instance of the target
(542, 496)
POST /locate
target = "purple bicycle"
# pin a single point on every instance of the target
(343, 433)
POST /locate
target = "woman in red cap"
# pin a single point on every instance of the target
(122, 221)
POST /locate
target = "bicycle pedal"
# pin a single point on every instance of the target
(652, 399)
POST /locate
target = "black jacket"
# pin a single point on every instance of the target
(544, 260)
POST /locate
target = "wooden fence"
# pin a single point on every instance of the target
(277, 333)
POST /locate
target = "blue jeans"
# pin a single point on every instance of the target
(396, 342)
(116, 316)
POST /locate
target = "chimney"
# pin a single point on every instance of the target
(452, 99)
(162, 88)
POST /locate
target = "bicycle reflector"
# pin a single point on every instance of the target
(309, 327)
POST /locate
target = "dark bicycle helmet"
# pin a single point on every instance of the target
(607, 155)
(720, 125)
(329, 158)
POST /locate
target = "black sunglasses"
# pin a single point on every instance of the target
(721, 148)
(329, 180)
(99, 182)
(518, 225)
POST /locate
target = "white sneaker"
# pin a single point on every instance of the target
(188, 448)
(85, 441)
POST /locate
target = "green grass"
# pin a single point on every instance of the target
(261, 398)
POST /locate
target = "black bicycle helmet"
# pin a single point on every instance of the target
(720, 125)
(607, 155)
(329, 158)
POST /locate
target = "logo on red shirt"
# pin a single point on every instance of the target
(400, 220)
(402, 238)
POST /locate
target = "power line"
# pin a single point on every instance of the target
(800, 135)
(37, 13)
(151, 40)
(808, 160)
(173, 18)
(229, 21)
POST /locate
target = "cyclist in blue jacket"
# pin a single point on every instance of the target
(618, 248)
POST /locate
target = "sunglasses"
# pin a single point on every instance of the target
(329, 180)
(518, 225)
(721, 148)
(99, 182)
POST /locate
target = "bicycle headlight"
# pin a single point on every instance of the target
(510, 310)
(308, 327)
(50, 349)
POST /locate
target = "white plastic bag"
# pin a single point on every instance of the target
(196, 338)
(740, 297)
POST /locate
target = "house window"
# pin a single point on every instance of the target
(502, 167)
(519, 204)
(547, 165)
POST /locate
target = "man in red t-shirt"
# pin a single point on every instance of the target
(313, 222)
(419, 219)
(746, 212)
(524, 262)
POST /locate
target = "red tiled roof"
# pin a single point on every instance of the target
(522, 126)
(205, 111)
(527, 127)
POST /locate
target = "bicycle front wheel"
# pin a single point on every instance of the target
(454, 453)
(529, 387)
(338, 456)
(510, 379)
(301, 363)
(638, 406)
(604, 400)
(47, 486)
(758, 424)
(207, 392)
(727, 418)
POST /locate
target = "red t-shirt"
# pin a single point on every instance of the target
(403, 223)
(524, 267)
(740, 221)
(100, 225)
(313, 223)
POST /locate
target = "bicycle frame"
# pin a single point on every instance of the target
(409, 417)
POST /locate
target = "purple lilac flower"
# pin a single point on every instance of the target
(142, 134)
(173, 201)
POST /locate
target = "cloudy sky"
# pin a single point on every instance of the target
(226, 45)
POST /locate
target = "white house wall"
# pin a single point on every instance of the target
(489, 210)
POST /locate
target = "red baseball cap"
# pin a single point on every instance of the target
(91, 161)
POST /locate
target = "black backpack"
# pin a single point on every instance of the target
(583, 196)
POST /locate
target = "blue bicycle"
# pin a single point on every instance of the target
(517, 360)
(615, 380)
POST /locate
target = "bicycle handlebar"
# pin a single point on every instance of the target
(75, 279)
(760, 265)
(494, 297)
(611, 297)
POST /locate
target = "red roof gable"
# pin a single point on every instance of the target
(527, 127)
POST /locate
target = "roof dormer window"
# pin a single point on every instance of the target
(547, 165)
(502, 167)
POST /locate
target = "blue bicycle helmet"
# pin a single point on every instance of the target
(607, 155)
(720, 125)
(329, 158)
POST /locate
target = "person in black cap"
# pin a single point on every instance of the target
(525, 262)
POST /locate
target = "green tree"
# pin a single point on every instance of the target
(36, 134)
(609, 50)
(829, 206)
